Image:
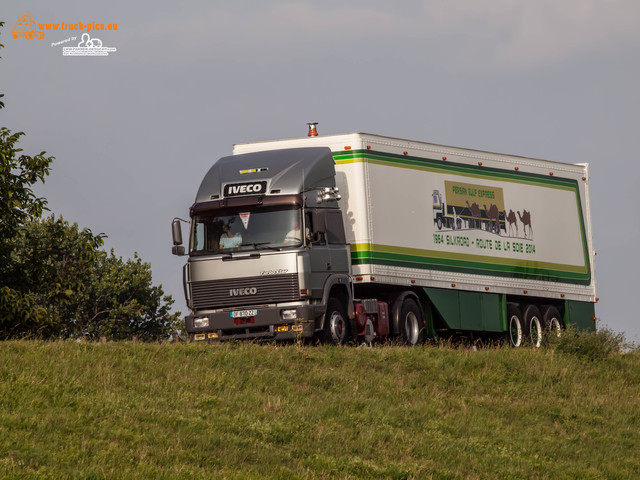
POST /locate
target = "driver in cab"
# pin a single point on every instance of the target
(229, 241)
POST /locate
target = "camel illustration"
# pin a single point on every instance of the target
(475, 213)
(494, 218)
(511, 218)
(525, 218)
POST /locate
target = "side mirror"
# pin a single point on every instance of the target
(176, 231)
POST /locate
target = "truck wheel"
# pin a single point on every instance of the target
(336, 328)
(514, 331)
(533, 325)
(551, 321)
(439, 222)
(411, 323)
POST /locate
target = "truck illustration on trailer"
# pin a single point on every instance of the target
(455, 212)
(364, 236)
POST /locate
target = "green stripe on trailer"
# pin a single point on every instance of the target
(440, 166)
(363, 254)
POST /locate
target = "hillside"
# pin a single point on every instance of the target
(130, 410)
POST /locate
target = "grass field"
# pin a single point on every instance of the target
(131, 410)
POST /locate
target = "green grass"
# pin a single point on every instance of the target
(131, 410)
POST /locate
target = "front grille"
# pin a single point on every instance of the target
(269, 289)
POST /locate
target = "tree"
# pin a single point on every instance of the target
(48, 265)
(18, 173)
(120, 302)
(78, 290)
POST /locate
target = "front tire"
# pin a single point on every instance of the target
(336, 325)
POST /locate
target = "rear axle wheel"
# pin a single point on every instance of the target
(411, 323)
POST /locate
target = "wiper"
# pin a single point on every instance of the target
(264, 245)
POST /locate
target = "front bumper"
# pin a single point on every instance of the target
(266, 324)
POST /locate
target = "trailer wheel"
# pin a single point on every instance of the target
(514, 331)
(551, 321)
(336, 327)
(533, 325)
(411, 323)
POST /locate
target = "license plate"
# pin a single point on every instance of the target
(244, 313)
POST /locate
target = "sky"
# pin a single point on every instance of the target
(134, 132)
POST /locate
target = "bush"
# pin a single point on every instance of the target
(590, 345)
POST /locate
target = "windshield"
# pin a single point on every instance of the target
(223, 231)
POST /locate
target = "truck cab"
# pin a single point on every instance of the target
(267, 255)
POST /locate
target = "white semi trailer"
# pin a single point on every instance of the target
(364, 236)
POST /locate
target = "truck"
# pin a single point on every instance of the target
(365, 237)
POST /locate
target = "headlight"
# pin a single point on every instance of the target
(289, 314)
(202, 322)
